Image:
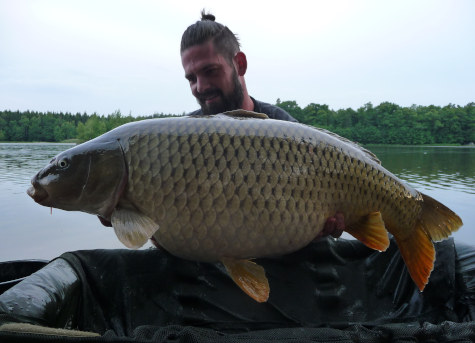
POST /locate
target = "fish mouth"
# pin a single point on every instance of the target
(38, 194)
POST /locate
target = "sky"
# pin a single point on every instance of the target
(106, 56)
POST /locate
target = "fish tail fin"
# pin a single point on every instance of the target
(418, 254)
(370, 230)
(436, 222)
(249, 276)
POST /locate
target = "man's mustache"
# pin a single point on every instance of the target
(208, 94)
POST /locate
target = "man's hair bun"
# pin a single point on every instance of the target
(207, 16)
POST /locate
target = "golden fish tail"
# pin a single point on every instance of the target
(436, 222)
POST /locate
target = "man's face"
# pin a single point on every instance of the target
(213, 81)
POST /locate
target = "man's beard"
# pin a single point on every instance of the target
(230, 102)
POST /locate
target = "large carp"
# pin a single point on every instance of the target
(237, 186)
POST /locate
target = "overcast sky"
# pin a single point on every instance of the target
(103, 56)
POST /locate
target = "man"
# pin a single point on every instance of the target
(215, 68)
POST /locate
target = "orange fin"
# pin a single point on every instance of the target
(435, 223)
(437, 220)
(370, 230)
(249, 276)
(418, 253)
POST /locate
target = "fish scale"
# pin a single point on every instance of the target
(236, 186)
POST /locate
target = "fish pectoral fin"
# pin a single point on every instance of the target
(246, 114)
(250, 277)
(370, 230)
(418, 254)
(132, 228)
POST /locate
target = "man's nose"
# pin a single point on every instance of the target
(202, 85)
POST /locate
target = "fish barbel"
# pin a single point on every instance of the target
(237, 186)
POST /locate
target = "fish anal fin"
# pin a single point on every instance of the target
(418, 254)
(246, 114)
(132, 228)
(249, 276)
(370, 230)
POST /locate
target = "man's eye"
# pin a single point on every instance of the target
(211, 71)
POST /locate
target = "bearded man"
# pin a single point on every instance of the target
(215, 67)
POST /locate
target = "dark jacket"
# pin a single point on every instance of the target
(272, 111)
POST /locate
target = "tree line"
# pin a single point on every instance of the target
(389, 123)
(57, 127)
(386, 123)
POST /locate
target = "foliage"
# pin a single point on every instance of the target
(56, 127)
(389, 123)
(386, 123)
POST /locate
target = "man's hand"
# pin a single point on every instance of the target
(155, 243)
(334, 226)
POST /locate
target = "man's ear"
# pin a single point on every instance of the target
(241, 63)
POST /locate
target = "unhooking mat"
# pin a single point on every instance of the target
(332, 290)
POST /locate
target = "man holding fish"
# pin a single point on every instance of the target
(215, 67)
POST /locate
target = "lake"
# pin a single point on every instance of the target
(29, 230)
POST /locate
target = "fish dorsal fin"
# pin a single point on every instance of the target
(370, 230)
(249, 276)
(246, 114)
(132, 228)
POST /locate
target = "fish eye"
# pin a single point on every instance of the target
(63, 163)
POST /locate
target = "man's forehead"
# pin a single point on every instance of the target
(200, 56)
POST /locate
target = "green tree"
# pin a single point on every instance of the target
(59, 134)
(35, 133)
(14, 131)
(24, 122)
(293, 109)
(317, 115)
(470, 132)
(48, 124)
(93, 127)
(3, 128)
